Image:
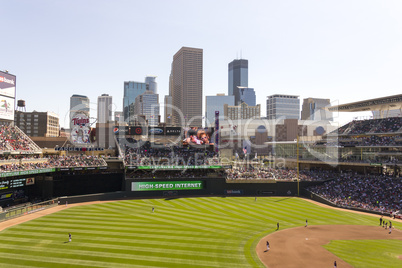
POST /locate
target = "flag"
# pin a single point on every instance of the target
(245, 150)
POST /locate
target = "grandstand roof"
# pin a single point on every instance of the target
(379, 104)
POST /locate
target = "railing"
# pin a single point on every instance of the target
(33, 146)
(12, 213)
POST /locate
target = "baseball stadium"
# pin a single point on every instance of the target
(160, 199)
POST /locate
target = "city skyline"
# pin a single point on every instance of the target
(335, 50)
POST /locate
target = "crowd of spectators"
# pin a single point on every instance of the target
(384, 125)
(278, 174)
(169, 155)
(371, 141)
(375, 192)
(51, 162)
(176, 174)
(12, 139)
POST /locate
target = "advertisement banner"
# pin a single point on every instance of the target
(166, 185)
(80, 129)
(157, 131)
(137, 131)
(26, 172)
(173, 131)
(7, 84)
(233, 192)
(6, 108)
(171, 167)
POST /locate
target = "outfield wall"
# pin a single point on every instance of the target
(209, 187)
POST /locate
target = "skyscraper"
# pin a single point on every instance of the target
(131, 91)
(105, 108)
(152, 85)
(238, 77)
(168, 110)
(246, 95)
(134, 89)
(281, 106)
(147, 104)
(186, 86)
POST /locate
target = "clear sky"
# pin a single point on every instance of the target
(345, 50)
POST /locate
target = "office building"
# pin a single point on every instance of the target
(168, 110)
(131, 91)
(246, 95)
(280, 106)
(238, 77)
(186, 86)
(147, 105)
(152, 85)
(38, 124)
(216, 103)
(105, 108)
(79, 104)
(242, 111)
(314, 109)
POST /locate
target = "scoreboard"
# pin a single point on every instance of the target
(16, 183)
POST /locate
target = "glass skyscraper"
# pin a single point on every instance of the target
(147, 104)
(246, 95)
(238, 77)
(131, 91)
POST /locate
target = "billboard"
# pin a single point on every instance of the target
(198, 136)
(166, 185)
(7, 84)
(7, 108)
(173, 167)
(139, 130)
(80, 129)
(173, 131)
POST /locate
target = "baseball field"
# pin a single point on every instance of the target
(201, 232)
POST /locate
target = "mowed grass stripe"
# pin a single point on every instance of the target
(223, 248)
(123, 238)
(133, 248)
(134, 255)
(105, 230)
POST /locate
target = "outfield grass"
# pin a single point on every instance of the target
(188, 232)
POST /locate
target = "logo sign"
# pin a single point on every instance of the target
(166, 185)
(80, 130)
(173, 131)
(155, 131)
(30, 181)
(234, 192)
(116, 130)
(7, 84)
